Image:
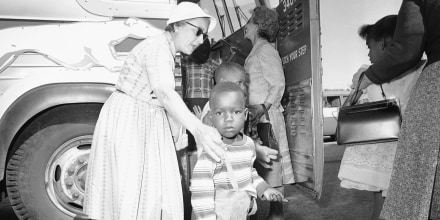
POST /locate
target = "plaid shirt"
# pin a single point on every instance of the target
(199, 78)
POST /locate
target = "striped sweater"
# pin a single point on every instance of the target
(210, 177)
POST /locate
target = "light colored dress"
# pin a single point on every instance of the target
(267, 85)
(133, 171)
(369, 166)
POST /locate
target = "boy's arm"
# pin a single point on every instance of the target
(202, 188)
(257, 181)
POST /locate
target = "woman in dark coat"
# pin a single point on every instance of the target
(415, 181)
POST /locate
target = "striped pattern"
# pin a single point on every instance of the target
(133, 172)
(210, 178)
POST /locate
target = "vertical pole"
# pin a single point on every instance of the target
(228, 16)
(221, 21)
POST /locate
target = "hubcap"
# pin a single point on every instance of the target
(66, 174)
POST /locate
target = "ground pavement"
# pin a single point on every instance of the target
(336, 203)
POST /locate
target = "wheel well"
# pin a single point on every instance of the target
(35, 102)
(79, 112)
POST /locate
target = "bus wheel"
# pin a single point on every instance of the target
(46, 174)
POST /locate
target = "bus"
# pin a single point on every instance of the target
(60, 60)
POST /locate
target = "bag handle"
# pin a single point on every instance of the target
(357, 95)
(265, 112)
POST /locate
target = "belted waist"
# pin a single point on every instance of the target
(147, 99)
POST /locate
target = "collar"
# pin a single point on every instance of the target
(257, 45)
(170, 43)
(237, 143)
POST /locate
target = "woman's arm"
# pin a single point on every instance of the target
(273, 73)
(207, 137)
(405, 50)
(158, 65)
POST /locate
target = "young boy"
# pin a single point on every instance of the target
(227, 190)
(225, 72)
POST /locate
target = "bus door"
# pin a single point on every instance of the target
(298, 44)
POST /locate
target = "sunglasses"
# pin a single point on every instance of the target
(199, 31)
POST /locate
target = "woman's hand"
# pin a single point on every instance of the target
(273, 195)
(365, 83)
(255, 112)
(209, 138)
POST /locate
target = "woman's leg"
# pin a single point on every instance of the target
(378, 200)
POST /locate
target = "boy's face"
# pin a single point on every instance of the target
(228, 114)
(238, 77)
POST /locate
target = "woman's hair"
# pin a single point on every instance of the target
(267, 22)
(382, 29)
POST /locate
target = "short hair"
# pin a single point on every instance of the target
(225, 87)
(228, 67)
(382, 29)
(266, 20)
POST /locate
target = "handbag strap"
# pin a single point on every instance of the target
(356, 94)
(265, 112)
(383, 93)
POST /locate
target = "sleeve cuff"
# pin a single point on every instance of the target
(371, 76)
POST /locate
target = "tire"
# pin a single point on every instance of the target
(45, 175)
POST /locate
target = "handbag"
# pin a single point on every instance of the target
(372, 122)
(265, 132)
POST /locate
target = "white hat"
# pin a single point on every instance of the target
(190, 10)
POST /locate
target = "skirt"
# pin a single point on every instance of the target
(133, 171)
(281, 171)
(368, 167)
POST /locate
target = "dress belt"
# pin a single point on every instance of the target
(152, 100)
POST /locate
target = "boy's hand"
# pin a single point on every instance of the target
(265, 155)
(273, 195)
(197, 111)
(207, 120)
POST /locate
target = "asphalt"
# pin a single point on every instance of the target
(336, 203)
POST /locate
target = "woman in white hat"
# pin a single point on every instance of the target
(133, 171)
